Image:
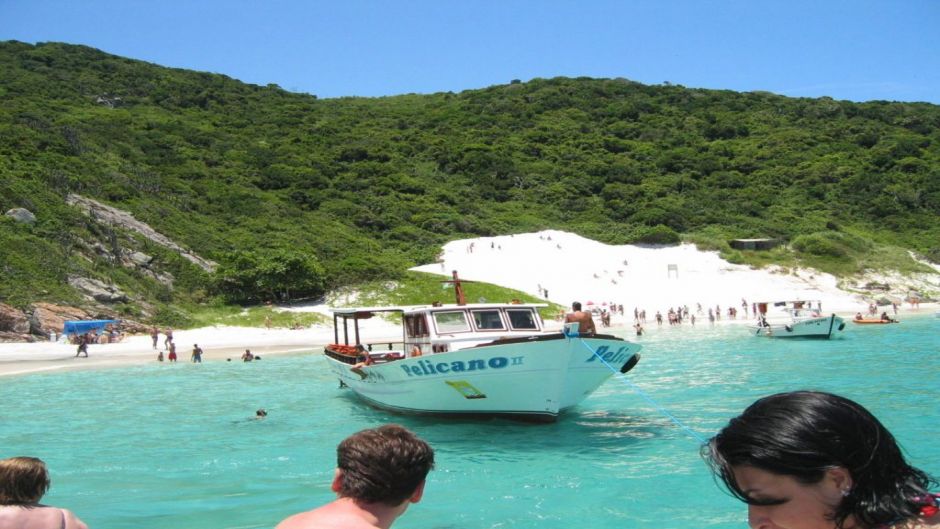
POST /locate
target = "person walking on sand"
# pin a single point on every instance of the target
(23, 482)
(584, 319)
(154, 335)
(169, 338)
(82, 345)
(197, 354)
(380, 472)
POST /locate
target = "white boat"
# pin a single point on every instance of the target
(484, 359)
(796, 319)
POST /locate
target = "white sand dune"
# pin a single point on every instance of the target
(573, 268)
(569, 267)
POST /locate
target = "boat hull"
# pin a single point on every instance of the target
(874, 322)
(822, 327)
(531, 379)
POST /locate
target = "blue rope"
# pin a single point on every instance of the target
(643, 394)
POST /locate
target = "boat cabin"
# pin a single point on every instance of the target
(430, 329)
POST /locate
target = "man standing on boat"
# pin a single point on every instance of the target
(379, 473)
(583, 318)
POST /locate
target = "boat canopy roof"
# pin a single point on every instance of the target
(368, 312)
(789, 302)
(83, 326)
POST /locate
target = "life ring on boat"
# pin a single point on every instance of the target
(788, 328)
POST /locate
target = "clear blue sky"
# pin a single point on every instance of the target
(857, 50)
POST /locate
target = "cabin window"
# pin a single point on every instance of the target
(416, 325)
(522, 319)
(451, 322)
(488, 320)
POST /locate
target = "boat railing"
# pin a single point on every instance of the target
(376, 347)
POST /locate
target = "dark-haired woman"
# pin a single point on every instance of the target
(812, 460)
(23, 482)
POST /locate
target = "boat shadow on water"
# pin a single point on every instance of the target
(578, 432)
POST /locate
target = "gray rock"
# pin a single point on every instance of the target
(21, 215)
(116, 217)
(98, 290)
(140, 258)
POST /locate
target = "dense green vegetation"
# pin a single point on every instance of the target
(294, 195)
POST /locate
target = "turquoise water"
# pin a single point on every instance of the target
(173, 446)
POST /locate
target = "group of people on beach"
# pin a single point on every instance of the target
(108, 334)
(799, 460)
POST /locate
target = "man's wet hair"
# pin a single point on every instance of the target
(383, 465)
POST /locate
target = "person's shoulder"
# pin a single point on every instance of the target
(72, 521)
(329, 516)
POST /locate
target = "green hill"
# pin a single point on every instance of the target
(293, 195)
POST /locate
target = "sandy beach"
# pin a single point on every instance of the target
(558, 266)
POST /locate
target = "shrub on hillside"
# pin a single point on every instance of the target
(658, 234)
(822, 244)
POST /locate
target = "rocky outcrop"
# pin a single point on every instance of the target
(21, 215)
(43, 319)
(125, 220)
(97, 290)
(139, 258)
(142, 263)
(14, 337)
(47, 318)
(12, 320)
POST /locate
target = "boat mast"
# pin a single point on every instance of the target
(458, 288)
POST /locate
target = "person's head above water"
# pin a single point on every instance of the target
(261, 413)
(818, 458)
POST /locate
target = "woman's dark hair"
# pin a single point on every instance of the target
(805, 433)
(23, 480)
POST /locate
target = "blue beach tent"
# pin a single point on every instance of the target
(83, 326)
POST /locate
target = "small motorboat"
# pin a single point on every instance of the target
(799, 319)
(874, 321)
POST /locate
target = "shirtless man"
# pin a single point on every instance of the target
(379, 473)
(197, 354)
(584, 318)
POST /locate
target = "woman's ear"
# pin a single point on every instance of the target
(840, 479)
